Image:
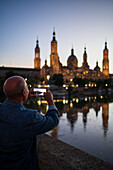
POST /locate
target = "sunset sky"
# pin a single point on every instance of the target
(78, 23)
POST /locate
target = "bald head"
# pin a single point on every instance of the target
(14, 86)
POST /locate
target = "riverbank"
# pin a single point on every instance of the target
(57, 155)
(58, 92)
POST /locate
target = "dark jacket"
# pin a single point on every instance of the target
(18, 129)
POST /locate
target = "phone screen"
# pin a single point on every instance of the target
(40, 91)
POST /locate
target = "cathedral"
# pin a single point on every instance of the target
(72, 69)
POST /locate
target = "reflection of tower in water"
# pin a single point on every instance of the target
(96, 107)
(105, 117)
(85, 112)
(72, 117)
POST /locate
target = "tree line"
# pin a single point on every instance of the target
(58, 80)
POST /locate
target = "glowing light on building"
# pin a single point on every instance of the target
(25, 79)
(64, 85)
(86, 99)
(66, 101)
(77, 100)
(48, 77)
(101, 97)
(73, 99)
(71, 104)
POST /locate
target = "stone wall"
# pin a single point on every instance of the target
(57, 155)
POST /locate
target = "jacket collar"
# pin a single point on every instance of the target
(13, 103)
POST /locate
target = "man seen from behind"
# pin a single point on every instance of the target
(19, 126)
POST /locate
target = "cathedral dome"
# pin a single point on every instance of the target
(97, 68)
(72, 60)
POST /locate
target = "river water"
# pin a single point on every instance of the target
(85, 123)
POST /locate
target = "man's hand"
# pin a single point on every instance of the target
(49, 97)
(31, 93)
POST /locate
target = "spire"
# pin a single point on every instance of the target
(105, 44)
(72, 51)
(54, 39)
(37, 45)
(45, 62)
(84, 50)
(97, 64)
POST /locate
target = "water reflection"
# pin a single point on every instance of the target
(84, 123)
(75, 106)
(72, 113)
(105, 117)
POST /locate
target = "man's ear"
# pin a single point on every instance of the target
(24, 93)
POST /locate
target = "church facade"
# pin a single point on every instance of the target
(72, 69)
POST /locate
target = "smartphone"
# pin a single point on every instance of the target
(40, 91)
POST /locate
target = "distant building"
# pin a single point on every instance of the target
(29, 73)
(72, 69)
(56, 67)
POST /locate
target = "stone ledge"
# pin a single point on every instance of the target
(57, 155)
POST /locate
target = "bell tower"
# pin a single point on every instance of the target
(54, 58)
(85, 63)
(105, 61)
(37, 60)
